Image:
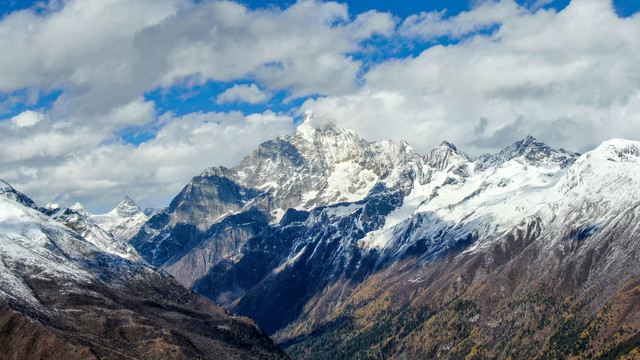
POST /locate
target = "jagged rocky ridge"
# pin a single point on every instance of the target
(337, 245)
(69, 290)
(122, 223)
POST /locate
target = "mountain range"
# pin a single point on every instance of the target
(344, 248)
(358, 249)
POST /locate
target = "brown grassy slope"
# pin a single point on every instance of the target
(151, 317)
(518, 298)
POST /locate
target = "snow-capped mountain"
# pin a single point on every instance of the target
(320, 165)
(65, 293)
(33, 242)
(8, 192)
(309, 223)
(446, 202)
(480, 196)
(123, 222)
(80, 209)
(548, 271)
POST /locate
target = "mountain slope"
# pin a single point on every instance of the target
(560, 283)
(343, 248)
(61, 295)
(453, 203)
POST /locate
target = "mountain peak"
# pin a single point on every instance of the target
(219, 171)
(9, 192)
(52, 206)
(447, 144)
(619, 150)
(5, 187)
(4, 184)
(528, 142)
(127, 207)
(124, 221)
(444, 155)
(534, 152)
(127, 199)
(308, 115)
(80, 209)
(313, 125)
(528, 148)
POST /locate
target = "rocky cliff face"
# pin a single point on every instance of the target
(68, 290)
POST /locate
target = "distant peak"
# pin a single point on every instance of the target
(308, 115)
(219, 171)
(314, 124)
(526, 145)
(446, 144)
(127, 207)
(80, 209)
(444, 155)
(5, 187)
(9, 192)
(533, 151)
(318, 123)
(530, 141)
(127, 201)
(52, 206)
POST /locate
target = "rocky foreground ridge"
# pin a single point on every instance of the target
(68, 290)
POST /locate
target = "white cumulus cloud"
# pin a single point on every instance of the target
(27, 118)
(569, 78)
(104, 57)
(434, 24)
(243, 93)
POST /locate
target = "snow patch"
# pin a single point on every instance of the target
(349, 182)
(289, 261)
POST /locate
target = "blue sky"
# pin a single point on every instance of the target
(101, 99)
